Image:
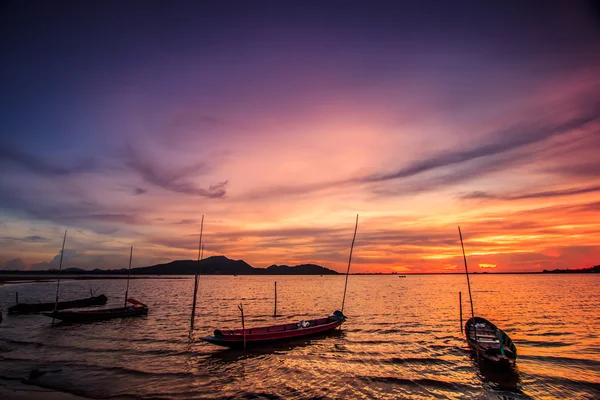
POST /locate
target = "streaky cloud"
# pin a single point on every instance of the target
(173, 179)
(39, 166)
(532, 195)
(30, 239)
(185, 222)
(505, 141)
(493, 156)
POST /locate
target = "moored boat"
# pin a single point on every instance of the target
(491, 344)
(269, 334)
(135, 310)
(25, 308)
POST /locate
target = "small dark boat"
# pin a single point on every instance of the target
(24, 308)
(135, 310)
(493, 344)
(269, 334)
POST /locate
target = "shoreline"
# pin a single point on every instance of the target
(40, 278)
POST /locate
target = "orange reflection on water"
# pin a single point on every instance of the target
(402, 338)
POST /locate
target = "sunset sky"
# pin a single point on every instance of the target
(125, 122)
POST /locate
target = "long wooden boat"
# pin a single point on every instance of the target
(269, 334)
(137, 309)
(491, 343)
(25, 308)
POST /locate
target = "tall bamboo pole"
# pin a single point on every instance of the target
(460, 308)
(62, 252)
(349, 261)
(275, 310)
(469, 286)
(128, 275)
(241, 307)
(200, 251)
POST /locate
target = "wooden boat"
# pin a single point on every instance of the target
(491, 343)
(24, 308)
(135, 310)
(269, 334)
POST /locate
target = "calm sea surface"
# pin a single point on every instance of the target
(402, 339)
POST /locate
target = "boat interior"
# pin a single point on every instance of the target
(277, 328)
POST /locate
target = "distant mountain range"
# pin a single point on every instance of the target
(216, 265)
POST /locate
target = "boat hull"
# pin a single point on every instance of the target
(271, 334)
(24, 308)
(490, 344)
(98, 315)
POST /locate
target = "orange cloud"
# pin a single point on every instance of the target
(487, 265)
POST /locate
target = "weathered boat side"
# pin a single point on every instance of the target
(25, 308)
(269, 334)
(137, 310)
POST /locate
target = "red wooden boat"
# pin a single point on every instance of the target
(269, 334)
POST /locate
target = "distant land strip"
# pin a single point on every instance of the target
(215, 265)
(221, 265)
(591, 270)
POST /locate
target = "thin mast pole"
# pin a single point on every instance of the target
(128, 275)
(349, 261)
(460, 308)
(241, 307)
(62, 252)
(200, 251)
(469, 286)
(275, 310)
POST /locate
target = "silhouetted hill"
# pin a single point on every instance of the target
(303, 269)
(216, 265)
(592, 270)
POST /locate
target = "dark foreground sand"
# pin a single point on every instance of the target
(15, 390)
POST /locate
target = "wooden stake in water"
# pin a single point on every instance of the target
(241, 307)
(62, 252)
(460, 308)
(349, 261)
(275, 310)
(128, 275)
(196, 276)
(469, 285)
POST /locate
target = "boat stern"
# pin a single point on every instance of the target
(338, 315)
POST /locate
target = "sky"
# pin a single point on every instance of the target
(125, 122)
